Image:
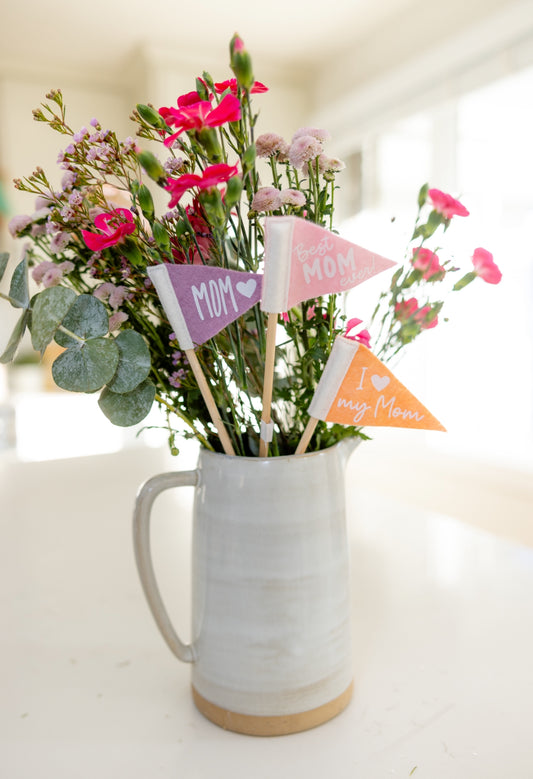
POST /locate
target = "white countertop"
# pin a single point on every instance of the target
(443, 628)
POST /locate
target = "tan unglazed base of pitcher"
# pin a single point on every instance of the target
(253, 725)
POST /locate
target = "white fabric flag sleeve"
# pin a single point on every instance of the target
(339, 360)
(278, 251)
(160, 279)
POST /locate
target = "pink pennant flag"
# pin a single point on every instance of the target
(303, 261)
(201, 300)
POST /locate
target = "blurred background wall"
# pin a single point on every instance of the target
(410, 92)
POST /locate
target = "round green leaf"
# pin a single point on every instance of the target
(133, 362)
(86, 367)
(49, 308)
(128, 408)
(87, 318)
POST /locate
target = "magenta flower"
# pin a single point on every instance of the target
(197, 114)
(363, 336)
(231, 83)
(485, 266)
(428, 262)
(210, 177)
(113, 226)
(446, 205)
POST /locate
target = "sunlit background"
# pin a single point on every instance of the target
(410, 92)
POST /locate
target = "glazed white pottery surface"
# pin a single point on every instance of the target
(270, 570)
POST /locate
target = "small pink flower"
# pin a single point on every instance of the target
(363, 336)
(116, 319)
(113, 294)
(271, 145)
(485, 266)
(303, 149)
(18, 224)
(426, 319)
(114, 227)
(405, 309)
(446, 205)
(428, 262)
(330, 164)
(267, 199)
(285, 316)
(47, 273)
(292, 197)
(210, 177)
(314, 132)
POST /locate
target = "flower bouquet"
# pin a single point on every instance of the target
(92, 246)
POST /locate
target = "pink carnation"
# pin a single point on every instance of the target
(428, 262)
(113, 227)
(485, 266)
(363, 336)
(407, 309)
(446, 205)
(267, 199)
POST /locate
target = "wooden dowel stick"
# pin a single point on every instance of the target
(209, 401)
(268, 379)
(307, 435)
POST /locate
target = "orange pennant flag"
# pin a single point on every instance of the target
(356, 388)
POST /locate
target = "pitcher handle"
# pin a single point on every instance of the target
(143, 557)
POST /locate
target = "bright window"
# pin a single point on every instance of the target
(476, 371)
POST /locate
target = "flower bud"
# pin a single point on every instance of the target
(233, 192)
(241, 62)
(212, 204)
(201, 88)
(161, 237)
(208, 139)
(146, 202)
(152, 166)
(150, 115)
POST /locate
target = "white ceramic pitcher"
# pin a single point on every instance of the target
(271, 647)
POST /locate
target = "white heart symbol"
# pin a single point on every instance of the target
(380, 382)
(246, 288)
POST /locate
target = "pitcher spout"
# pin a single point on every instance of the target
(346, 447)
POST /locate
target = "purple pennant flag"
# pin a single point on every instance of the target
(201, 300)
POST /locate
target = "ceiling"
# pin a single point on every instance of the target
(100, 33)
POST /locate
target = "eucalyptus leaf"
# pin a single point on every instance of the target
(18, 290)
(49, 309)
(16, 337)
(87, 318)
(86, 367)
(4, 259)
(133, 364)
(128, 408)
